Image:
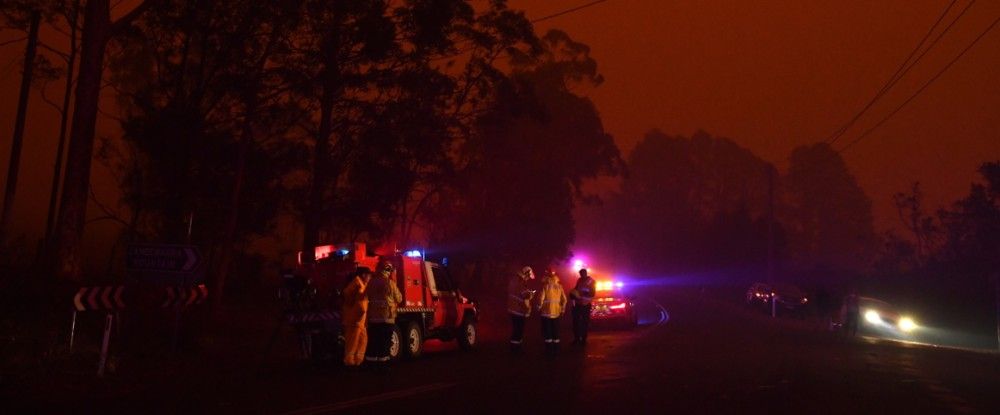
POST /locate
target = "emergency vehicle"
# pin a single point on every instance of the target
(611, 305)
(432, 306)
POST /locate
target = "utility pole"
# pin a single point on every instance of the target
(770, 224)
(996, 286)
(18, 138)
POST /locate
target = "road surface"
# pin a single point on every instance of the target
(692, 353)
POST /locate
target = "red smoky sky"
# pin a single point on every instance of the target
(771, 75)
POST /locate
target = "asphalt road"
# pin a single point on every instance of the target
(692, 353)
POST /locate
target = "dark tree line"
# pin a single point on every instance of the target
(443, 122)
(705, 203)
(960, 241)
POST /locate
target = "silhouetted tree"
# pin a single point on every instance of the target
(924, 228)
(697, 203)
(972, 226)
(205, 118)
(520, 171)
(827, 215)
(98, 29)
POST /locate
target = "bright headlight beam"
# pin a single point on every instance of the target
(907, 324)
(872, 317)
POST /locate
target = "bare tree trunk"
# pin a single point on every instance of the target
(63, 123)
(320, 178)
(18, 138)
(97, 31)
(73, 205)
(229, 237)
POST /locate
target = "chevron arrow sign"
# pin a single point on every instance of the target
(108, 297)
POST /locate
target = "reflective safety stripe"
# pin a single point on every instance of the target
(515, 342)
(555, 341)
(517, 313)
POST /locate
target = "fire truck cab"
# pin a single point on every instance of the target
(432, 308)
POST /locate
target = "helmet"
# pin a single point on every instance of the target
(549, 272)
(387, 267)
(527, 272)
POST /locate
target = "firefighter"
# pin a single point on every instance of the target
(551, 305)
(519, 305)
(583, 295)
(383, 297)
(353, 313)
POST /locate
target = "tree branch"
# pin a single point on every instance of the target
(123, 22)
(12, 41)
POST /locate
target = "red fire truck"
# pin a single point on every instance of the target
(433, 307)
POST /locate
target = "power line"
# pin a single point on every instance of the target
(923, 87)
(540, 19)
(896, 76)
(568, 11)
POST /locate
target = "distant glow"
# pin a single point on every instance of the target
(907, 324)
(805, 300)
(345, 251)
(619, 284)
(579, 264)
(413, 254)
(872, 317)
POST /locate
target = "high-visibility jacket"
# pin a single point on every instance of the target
(519, 296)
(584, 291)
(552, 302)
(355, 305)
(383, 297)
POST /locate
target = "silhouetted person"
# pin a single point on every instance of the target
(583, 296)
(519, 305)
(551, 306)
(852, 314)
(354, 313)
(383, 297)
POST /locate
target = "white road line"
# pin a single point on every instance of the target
(339, 406)
(664, 316)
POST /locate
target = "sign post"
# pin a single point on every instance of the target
(178, 265)
(102, 363)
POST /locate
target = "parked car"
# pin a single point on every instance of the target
(787, 297)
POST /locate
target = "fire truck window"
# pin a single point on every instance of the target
(442, 280)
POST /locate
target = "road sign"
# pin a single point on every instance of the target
(99, 298)
(184, 259)
(185, 296)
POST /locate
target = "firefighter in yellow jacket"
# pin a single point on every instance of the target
(353, 314)
(519, 305)
(551, 305)
(383, 298)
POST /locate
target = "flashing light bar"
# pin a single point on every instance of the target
(609, 285)
(414, 253)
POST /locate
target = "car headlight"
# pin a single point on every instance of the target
(872, 317)
(907, 324)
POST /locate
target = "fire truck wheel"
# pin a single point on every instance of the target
(414, 340)
(395, 345)
(467, 335)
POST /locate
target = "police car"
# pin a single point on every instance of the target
(612, 306)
